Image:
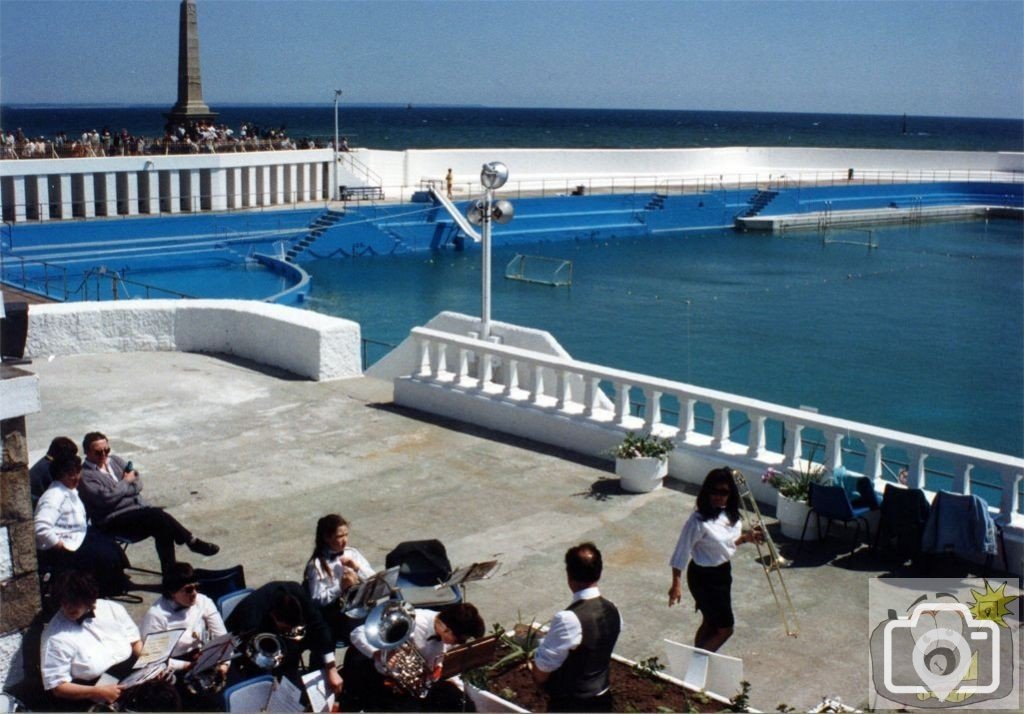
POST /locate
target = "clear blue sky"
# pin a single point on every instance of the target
(961, 58)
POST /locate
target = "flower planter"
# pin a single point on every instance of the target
(791, 515)
(641, 474)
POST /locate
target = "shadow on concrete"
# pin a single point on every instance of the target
(480, 432)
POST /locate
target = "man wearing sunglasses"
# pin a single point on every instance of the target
(110, 489)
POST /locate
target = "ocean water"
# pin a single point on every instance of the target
(397, 128)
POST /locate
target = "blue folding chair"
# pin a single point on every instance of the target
(250, 695)
(226, 603)
(832, 503)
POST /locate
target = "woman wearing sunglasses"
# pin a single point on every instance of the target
(182, 606)
(705, 548)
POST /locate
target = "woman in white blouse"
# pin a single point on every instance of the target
(333, 568)
(85, 639)
(63, 539)
(184, 607)
(705, 548)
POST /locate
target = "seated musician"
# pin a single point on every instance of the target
(333, 568)
(63, 539)
(284, 609)
(86, 638)
(184, 607)
(434, 633)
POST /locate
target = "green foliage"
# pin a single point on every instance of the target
(635, 446)
(648, 668)
(795, 484)
(741, 702)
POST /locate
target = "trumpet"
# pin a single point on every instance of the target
(773, 563)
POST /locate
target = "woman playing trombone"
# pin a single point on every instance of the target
(705, 548)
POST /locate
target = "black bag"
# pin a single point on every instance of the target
(421, 562)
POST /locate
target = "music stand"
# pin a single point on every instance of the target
(469, 573)
(368, 592)
(469, 656)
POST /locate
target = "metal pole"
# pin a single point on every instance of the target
(485, 294)
(334, 173)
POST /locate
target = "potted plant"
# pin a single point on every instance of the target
(641, 461)
(794, 489)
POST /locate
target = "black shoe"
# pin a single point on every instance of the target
(202, 547)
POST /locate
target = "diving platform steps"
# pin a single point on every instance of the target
(819, 220)
(316, 229)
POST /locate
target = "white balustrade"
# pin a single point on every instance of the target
(560, 400)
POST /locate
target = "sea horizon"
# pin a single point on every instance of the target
(396, 126)
(329, 104)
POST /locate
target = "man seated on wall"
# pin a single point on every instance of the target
(111, 490)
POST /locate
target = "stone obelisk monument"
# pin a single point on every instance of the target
(190, 106)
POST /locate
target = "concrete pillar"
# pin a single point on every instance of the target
(37, 198)
(263, 185)
(302, 182)
(191, 190)
(83, 196)
(218, 189)
(106, 194)
(127, 193)
(67, 202)
(18, 199)
(317, 181)
(149, 192)
(291, 188)
(278, 184)
(170, 192)
(248, 187)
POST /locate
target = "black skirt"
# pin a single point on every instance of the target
(711, 588)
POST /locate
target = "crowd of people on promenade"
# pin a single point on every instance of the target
(192, 138)
(90, 645)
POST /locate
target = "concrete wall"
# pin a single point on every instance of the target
(305, 343)
(535, 164)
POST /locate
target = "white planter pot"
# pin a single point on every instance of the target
(791, 515)
(641, 475)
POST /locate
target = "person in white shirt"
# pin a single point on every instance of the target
(64, 541)
(573, 660)
(333, 568)
(184, 607)
(86, 638)
(434, 633)
(705, 548)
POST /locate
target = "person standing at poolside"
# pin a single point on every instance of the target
(705, 548)
(573, 661)
(449, 180)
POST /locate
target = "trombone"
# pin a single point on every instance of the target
(773, 563)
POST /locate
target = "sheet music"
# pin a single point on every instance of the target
(316, 690)
(157, 647)
(469, 573)
(284, 697)
(138, 676)
(220, 649)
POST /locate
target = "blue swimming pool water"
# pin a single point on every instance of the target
(922, 334)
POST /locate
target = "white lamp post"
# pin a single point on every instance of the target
(334, 173)
(493, 176)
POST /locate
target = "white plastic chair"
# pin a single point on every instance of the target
(706, 671)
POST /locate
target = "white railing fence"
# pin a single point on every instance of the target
(571, 389)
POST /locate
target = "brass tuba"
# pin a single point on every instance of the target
(773, 563)
(265, 650)
(389, 628)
